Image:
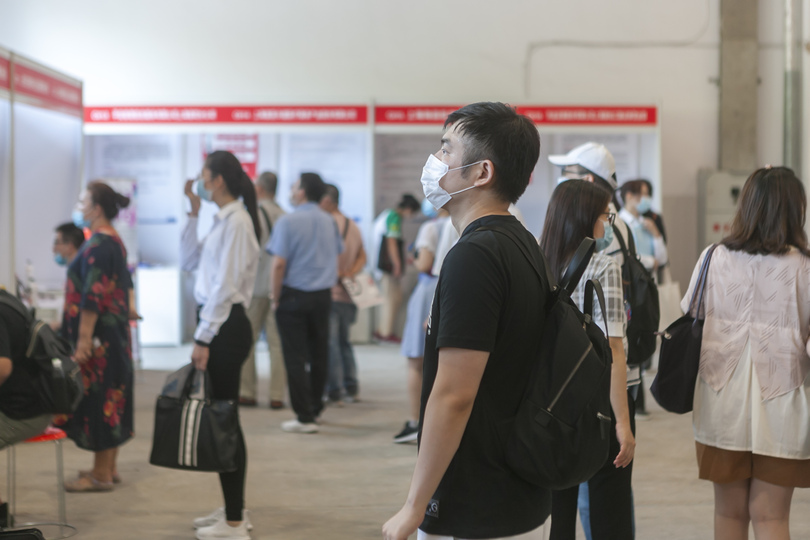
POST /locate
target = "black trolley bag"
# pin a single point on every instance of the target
(561, 433)
(57, 377)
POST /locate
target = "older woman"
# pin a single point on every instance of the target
(752, 398)
(96, 323)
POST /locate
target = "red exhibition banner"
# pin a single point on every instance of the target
(413, 114)
(202, 114)
(5, 73)
(591, 116)
(38, 86)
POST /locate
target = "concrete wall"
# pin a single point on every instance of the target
(211, 51)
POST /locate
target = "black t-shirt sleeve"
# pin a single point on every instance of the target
(471, 295)
(5, 342)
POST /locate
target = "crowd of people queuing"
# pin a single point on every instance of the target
(470, 330)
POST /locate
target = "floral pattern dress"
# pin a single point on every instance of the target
(98, 280)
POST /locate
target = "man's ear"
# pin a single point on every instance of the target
(486, 174)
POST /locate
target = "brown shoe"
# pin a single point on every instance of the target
(87, 484)
(276, 404)
(247, 402)
(116, 477)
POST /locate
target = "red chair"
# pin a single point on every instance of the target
(51, 434)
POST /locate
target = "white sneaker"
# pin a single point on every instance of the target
(294, 426)
(219, 515)
(222, 531)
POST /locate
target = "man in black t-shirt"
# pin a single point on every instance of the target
(482, 337)
(20, 406)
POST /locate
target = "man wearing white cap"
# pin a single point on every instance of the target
(594, 162)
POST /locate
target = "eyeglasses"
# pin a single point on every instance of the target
(611, 217)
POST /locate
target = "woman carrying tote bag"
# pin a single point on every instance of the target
(752, 397)
(226, 261)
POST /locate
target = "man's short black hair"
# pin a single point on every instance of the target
(71, 234)
(332, 191)
(409, 202)
(313, 186)
(494, 131)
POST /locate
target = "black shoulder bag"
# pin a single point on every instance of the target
(674, 384)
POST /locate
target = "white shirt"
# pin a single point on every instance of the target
(226, 261)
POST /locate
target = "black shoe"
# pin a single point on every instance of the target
(409, 433)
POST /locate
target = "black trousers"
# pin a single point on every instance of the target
(303, 324)
(227, 352)
(611, 501)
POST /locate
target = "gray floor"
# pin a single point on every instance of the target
(341, 483)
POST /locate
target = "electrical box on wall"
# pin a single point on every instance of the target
(718, 193)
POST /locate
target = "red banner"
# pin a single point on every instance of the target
(40, 88)
(5, 73)
(269, 114)
(413, 114)
(591, 116)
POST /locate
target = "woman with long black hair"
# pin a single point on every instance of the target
(577, 210)
(226, 261)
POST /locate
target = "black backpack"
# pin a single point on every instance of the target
(641, 293)
(561, 433)
(58, 379)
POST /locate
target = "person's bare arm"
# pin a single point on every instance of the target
(277, 278)
(424, 260)
(618, 402)
(84, 345)
(6, 367)
(393, 253)
(446, 414)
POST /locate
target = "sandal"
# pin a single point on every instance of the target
(87, 484)
(116, 478)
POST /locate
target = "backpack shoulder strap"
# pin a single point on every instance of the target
(509, 234)
(266, 220)
(592, 287)
(579, 262)
(346, 227)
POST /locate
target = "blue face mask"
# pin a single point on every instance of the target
(428, 210)
(603, 243)
(644, 205)
(203, 193)
(59, 259)
(79, 220)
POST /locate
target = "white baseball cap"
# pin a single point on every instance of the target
(593, 156)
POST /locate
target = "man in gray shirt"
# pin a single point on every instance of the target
(259, 312)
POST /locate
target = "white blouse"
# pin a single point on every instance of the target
(226, 260)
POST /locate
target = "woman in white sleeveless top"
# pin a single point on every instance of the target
(752, 400)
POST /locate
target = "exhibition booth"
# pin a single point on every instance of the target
(40, 174)
(373, 152)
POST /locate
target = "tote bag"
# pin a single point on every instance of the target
(674, 384)
(194, 432)
(363, 290)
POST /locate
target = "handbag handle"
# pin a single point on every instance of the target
(696, 304)
(190, 382)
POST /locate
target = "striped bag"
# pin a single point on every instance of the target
(194, 432)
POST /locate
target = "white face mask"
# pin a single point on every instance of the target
(433, 171)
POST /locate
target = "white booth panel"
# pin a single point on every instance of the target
(6, 224)
(47, 153)
(158, 297)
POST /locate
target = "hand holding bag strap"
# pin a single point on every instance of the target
(592, 286)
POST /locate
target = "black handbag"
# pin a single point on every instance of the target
(674, 384)
(194, 432)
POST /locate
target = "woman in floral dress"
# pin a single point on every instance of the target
(96, 323)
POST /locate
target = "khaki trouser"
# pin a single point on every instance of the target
(261, 315)
(392, 292)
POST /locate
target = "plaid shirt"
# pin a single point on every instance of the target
(608, 273)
